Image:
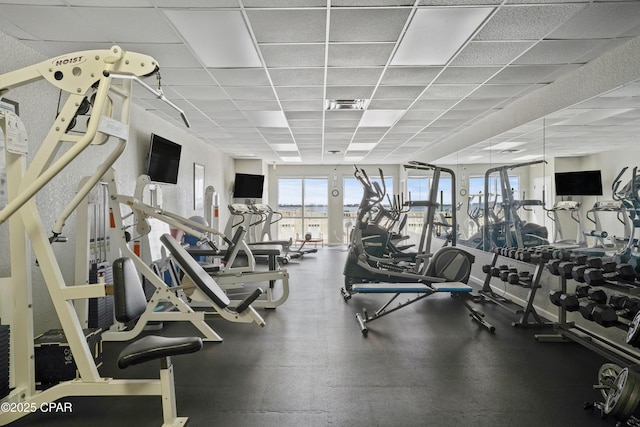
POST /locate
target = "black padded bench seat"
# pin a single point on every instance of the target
(155, 347)
(191, 267)
(201, 278)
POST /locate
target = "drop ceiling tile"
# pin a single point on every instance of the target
(168, 55)
(240, 76)
(306, 133)
(307, 92)
(343, 115)
(359, 55)
(498, 91)
(305, 124)
(490, 53)
(205, 4)
(398, 92)
(51, 50)
(297, 76)
(349, 92)
(409, 75)
(390, 104)
(558, 51)
(600, 20)
(448, 91)
(477, 104)
(458, 2)
(283, 3)
(456, 75)
(52, 23)
(341, 123)
(524, 74)
(423, 116)
(634, 32)
(303, 115)
(200, 92)
(293, 55)
(526, 23)
(257, 105)
(609, 45)
(288, 26)
(146, 25)
(353, 76)
(460, 114)
(367, 25)
(371, 3)
(244, 124)
(302, 105)
(186, 77)
(264, 93)
(225, 115)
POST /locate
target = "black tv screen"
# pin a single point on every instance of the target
(164, 160)
(248, 186)
(583, 183)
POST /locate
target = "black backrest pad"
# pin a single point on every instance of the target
(128, 294)
(201, 278)
(452, 264)
(234, 245)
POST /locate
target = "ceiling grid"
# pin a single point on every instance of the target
(254, 76)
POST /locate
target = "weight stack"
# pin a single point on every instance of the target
(149, 288)
(4, 361)
(54, 361)
(100, 309)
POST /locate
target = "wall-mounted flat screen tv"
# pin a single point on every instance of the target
(248, 186)
(164, 160)
(583, 183)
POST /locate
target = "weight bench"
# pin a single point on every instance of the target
(234, 280)
(457, 290)
(207, 286)
(129, 303)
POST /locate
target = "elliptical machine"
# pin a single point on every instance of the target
(371, 257)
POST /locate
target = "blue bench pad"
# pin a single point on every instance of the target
(409, 288)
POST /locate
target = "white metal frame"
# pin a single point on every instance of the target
(74, 74)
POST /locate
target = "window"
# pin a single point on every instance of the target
(303, 203)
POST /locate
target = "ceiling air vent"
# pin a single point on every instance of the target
(345, 104)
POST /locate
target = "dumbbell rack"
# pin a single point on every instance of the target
(570, 332)
(525, 312)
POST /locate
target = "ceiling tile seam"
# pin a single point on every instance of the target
(325, 76)
(243, 11)
(384, 70)
(438, 140)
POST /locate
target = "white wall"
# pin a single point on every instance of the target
(38, 103)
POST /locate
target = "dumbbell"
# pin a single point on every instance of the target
(625, 306)
(540, 255)
(495, 271)
(577, 272)
(619, 305)
(571, 302)
(517, 278)
(505, 274)
(622, 272)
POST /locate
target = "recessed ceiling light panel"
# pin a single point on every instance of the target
(219, 38)
(435, 34)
